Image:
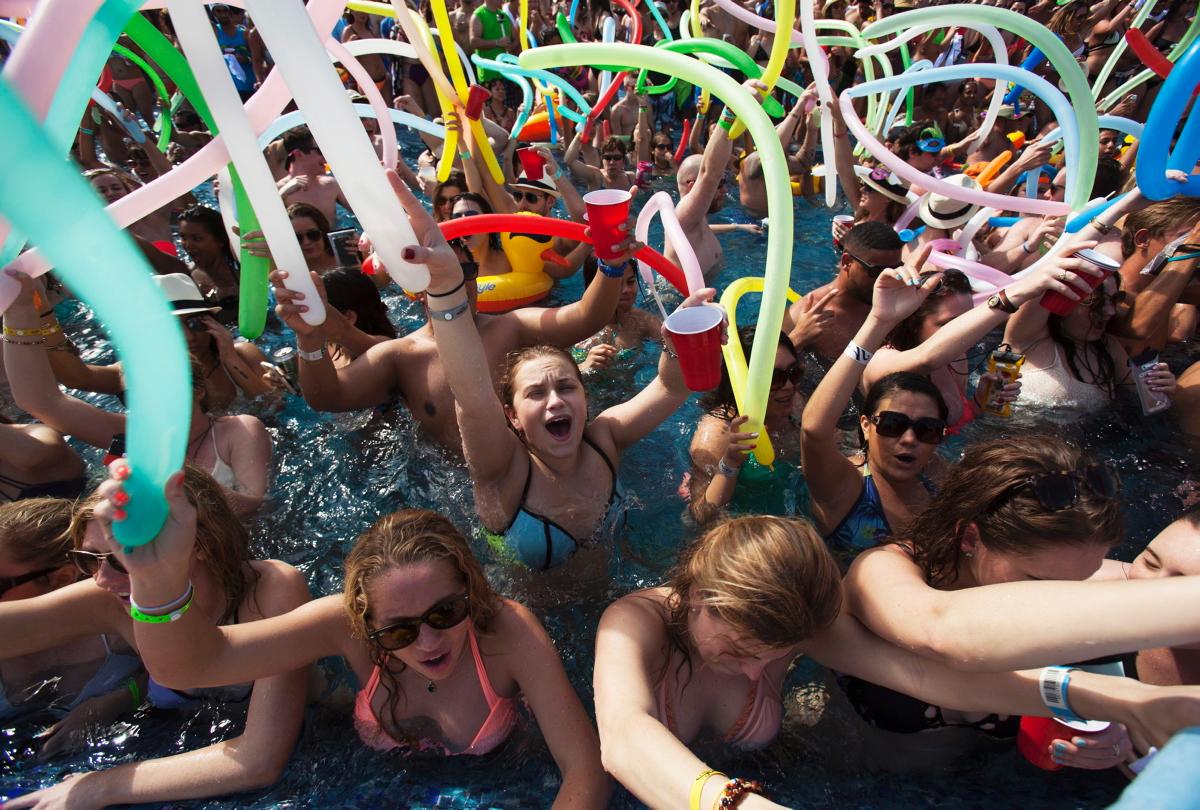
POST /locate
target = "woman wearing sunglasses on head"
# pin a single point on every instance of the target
(443, 659)
(990, 579)
(722, 476)
(706, 654)
(312, 232)
(483, 248)
(219, 584)
(857, 503)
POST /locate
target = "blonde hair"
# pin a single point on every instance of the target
(220, 536)
(771, 579)
(36, 531)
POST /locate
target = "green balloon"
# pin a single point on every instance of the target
(714, 47)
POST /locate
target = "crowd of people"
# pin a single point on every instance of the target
(919, 572)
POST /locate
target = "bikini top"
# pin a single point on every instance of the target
(501, 719)
(866, 524)
(70, 489)
(539, 542)
(757, 725)
(164, 697)
(116, 668)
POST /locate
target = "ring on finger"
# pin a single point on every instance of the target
(1116, 749)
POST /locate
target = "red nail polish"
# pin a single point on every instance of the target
(408, 254)
(120, 498)
(121, 473)
(119, 514)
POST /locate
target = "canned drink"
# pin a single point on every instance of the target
(1007, 363)
(285, 357)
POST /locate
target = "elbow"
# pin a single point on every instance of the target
(953, 647)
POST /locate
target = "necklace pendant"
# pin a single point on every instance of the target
(431, 687)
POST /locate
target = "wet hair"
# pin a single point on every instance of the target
(1104, 375)
(404, 538)
(904, 334)
(872, 236)
(301, 209)
(221, 537)
(771, 579)
(514, 359)
(348, 289)
(35, 532)
(1110, 176)
(210, 220)
(720, 402)
(1158, 218)
(987, 488)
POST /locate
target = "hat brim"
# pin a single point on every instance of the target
(533, 185)
(931, 218)
(875, 185)
(192, 308)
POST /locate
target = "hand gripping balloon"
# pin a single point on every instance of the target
(1155, 156)
(661, 205)
(779, 193)
(148, 339)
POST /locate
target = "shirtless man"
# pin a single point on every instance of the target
(825, 320)
(410, 369)
(623, 114)
(613, 172)
(306, 180)
(752, 183)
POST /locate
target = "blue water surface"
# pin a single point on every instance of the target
(337, 473)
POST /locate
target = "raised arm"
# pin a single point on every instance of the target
(73, 612)
(693, 206)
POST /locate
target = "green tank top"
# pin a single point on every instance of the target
(495, 26)
(777, 490)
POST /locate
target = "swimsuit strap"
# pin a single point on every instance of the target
(612, 470)
(485, 683)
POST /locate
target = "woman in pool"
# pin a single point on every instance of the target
(903, 419)
(312, 232)
(1070, 360)
(37, 462)
(483, 248)
(445, 193)
(226, 587)
(215, 269)
(722, 475)
(709, 650)
(626, 334)
(356, 299)
(934, 340)
(537, 463)
(444, 660)
(235, 450)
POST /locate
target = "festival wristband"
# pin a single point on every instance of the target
(612, 270)
(857, 353)
(174, 604)
(449, 314)
(1053, 683)
(140, 615)
(134, 693)
(311, 357)
(698, 787)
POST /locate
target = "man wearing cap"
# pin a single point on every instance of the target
(409, 369)
(306, 180)
(941, 214)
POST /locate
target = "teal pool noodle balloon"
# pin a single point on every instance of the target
(46, 198)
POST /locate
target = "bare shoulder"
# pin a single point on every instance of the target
(280, 588)
(710, 436)
(645, 610)
(250, 352)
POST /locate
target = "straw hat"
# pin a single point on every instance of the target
(543, 185)
(182, 294)
(939, 211)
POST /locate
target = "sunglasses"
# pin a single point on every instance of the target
(928, 429)
(873, 270)
(613, 156)
(194, 323)
(311, 235)
(8, 583)
(782, 376)
(662, 146)
(443, 200)
(89, 562)
(531, 197)
(1059, 490)
(461, 214)
(442, 616)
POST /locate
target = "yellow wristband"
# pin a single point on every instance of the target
(698, 787)
(41, 331)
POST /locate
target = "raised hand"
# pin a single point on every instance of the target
(289, 304)
(431, 250)
(900, 291)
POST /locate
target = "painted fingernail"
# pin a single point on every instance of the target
(119, 514)
(1080, 741)
(1059, 760)
(1060, 748)
(121, 473)
(408, 254)
(120, 498)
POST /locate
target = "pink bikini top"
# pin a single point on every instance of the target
(756, 727)
(502, 715)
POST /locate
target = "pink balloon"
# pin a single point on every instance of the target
(901, 167)
(974, 270)
(750, 18)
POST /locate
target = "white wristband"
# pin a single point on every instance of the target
(1053, 683)
(857, 353)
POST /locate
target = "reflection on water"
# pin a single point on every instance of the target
(336, 473)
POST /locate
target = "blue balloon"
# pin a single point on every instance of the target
(1035, 58)
(1154, 153)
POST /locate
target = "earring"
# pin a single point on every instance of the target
(968, 554)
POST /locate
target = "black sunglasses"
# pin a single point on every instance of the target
(461, 214)
(613, 156)
(662, 146)
(781, 376)
(89, 562)
(8, 583)
(928, 429)
(442, 616)
(873, 270)
(1059, 490)
(311, 235)
(531, 197)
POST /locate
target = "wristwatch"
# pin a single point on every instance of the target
(1000, 301)
(1104, 229)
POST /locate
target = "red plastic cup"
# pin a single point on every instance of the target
(607, 210)
(476, 97)
(1036, 734)
(842, 219)
(695, 333)
(1059, 304)
(531, 162)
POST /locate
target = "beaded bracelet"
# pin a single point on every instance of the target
(40, 331)
(736, 790)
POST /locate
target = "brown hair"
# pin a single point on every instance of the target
(616, 143)
(904, 334)
(220, 536)
(987, 488)
(403, 538)
(513, 361)
(771, 579)
(1158, 218)
(36, 531)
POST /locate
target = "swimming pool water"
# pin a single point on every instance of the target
(336, 473)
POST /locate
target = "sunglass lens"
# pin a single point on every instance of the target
(1056, 491)
(891, 424)
(447, 615)
(397, 638)
(1103, 480)
(929, 430)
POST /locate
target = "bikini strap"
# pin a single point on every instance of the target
(612, 470)
(485, 683)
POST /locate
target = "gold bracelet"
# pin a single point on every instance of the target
(37, 342)
(698, 787)
(40, 331)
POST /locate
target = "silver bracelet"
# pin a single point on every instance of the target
(449, 314)
(311, 357)
(857, 353)
(725, 469)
